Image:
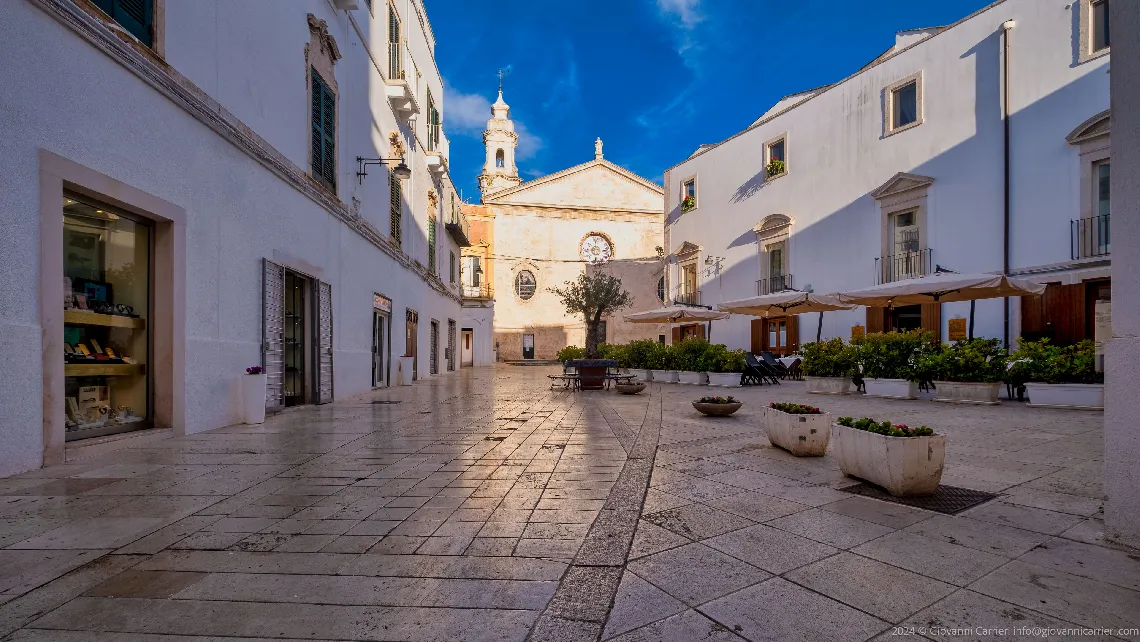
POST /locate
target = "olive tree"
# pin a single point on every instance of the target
(593, 296)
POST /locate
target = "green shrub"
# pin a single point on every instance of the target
(832, 358)
(1042, 362)
(795, 408)
(661, 357)
(892, 355)
(884, 427)
(728, 399)
(976, 360)
(615, 351)
(638, 353)
(690, 354)
(731, 361)
(570, 353)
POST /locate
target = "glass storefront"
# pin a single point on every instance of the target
(107, 271)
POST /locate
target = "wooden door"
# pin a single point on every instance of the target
(412, 323)
(757, 331)
(1060, 314)
(780, 335)
(932, 319)
(876, 320)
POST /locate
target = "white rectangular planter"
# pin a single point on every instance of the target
(901, 465)
(891, 388)
(829, 385)
(253, 398)
(642, 375)
(725, 379)
(695, 378)
(1080, 396)
(664, 376)
(801, 435)
(967, 392)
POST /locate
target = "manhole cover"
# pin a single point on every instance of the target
(950, 500)
(385, 402)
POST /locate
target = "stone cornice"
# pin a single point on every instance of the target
(179, 90)
(564, 209)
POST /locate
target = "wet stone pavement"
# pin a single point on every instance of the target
(485, 506)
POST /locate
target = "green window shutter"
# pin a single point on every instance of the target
(431, 244)
(329, 162)
(323, 132)
(396, 208)
(133, 15)
(451, 266)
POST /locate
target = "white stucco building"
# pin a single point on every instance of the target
(187, 193)
(983, 146)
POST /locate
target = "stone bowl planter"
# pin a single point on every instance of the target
(1078, 396)
(664, 376)
(801, 435)
(903, 466)
(642, 375)
(694, 378)
(967, 392)
(717, 409)
(725, 379)
(891, 388)
(829, 385)
(630, 388)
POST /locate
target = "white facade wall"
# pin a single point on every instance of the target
(481, 321)
(838, 153)
(82, 105)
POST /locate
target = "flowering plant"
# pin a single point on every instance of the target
(775, 167)
(688, 203)
(728, 399)
(255, 370)
(795, 408)
(884, 427)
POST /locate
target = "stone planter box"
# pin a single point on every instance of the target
(891, 388)
(694, 378)
(801, 435)
(901, 465)
(717, 409)
(967, 392)
(829, 385)
(642, 375)
(1080, 396)
(630, 388)
(725, 379)
(664, 376)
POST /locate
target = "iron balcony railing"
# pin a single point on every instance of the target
(775, 283)
(688, 298)
(903, 265)
(482, 292)
(1089, 237)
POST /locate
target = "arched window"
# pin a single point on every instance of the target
(500, 159)
(525, 284)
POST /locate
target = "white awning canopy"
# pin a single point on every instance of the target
(675, 314)
(781, 303)
(941, 288)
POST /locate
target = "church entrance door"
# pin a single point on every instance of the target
(528, 346)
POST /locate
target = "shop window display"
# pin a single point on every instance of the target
(106, 342)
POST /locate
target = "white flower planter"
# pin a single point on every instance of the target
(801, 435)
(1080, 396)
(967, 392)
(891, 388)
(829, 385)
(253, 398)
(725, 379)
(405, 372)
(664, 376)
(694, 378)
(642, 375)
(901, 465)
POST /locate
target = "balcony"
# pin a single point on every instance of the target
(403, 82)
(458, 228)
(481, 292)
(1089, 237)
(777, 283)
(903, 265)
(438, 150)
(688, 298)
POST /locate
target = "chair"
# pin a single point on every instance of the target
(759, 369)
(796, 370)
(770, 360)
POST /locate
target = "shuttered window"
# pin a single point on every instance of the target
(324, 132)
(397, 209)
(395, 55)
(432, 125)
(431, 244)
(133, 15)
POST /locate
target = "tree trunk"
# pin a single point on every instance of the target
(592, 337)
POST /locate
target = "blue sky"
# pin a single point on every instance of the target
(653, 78)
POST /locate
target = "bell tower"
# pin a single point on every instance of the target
(499, 171)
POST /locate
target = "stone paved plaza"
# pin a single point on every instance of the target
(484, 506)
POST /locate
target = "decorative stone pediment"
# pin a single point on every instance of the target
(899, 183)
(598, 184)
(319, 29)
(686, 250)
(1095, 127)
(773, 225)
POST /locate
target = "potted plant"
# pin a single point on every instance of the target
(691, 361)
(726, 367)
(801, 430)
(660, 363)
(638, 353)
(775, 167)
(689, 203)
(889, 362)
(966, 371)
(1059, 376)
(253, 386)
(717, 406)
(902, 460)
(828, 366)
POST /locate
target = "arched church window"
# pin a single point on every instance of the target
(661, 289)
(525, 284)
(500, 159)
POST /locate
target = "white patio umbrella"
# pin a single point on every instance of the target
(787, 302)
(942, 287)
(677, 314)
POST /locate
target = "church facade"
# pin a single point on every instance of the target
(596, 216)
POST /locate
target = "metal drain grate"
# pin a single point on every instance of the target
(385, 402)
(950, 500)
(493, 438)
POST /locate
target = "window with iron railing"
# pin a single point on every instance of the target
(903, 265)
(774, 283)
(395, 52)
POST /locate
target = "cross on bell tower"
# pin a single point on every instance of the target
(501, 140)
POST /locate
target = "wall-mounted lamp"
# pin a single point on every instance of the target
(710, 260)
(401, 171)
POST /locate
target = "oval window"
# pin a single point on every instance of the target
(525, 284)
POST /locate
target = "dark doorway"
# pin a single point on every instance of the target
(528, 346)
(907, 317)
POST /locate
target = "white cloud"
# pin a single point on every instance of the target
(684, 16)
(686, 12)
(467, 115)
(529, 144)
